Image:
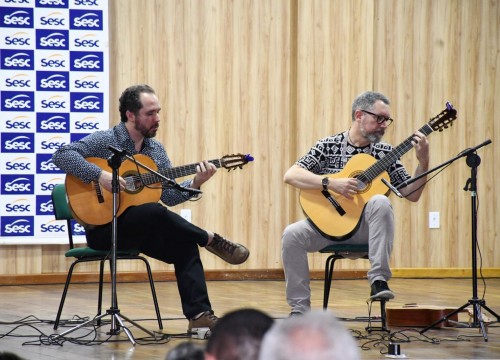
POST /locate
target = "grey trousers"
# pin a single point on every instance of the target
(376, 228)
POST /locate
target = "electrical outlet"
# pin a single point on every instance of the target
(186, 214)
(434, 220)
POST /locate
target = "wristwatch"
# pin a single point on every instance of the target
(325, 181)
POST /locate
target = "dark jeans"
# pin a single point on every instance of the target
(163, 235)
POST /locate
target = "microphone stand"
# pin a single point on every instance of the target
(473, 161)
(116, 318)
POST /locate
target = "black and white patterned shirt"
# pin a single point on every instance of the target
(326, 157)
(71, 158)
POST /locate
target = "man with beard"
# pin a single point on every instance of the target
(151, 227)
(370, 118)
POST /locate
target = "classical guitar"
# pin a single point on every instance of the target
(92, 204)
(338, 217)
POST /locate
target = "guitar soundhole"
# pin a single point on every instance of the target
(133, 182)
(362, 186)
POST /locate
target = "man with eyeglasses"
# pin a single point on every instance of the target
(370, 118)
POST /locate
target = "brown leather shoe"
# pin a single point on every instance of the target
(206, 320)
(228, 251)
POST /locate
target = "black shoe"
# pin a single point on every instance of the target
(294, 314)
(380, 291)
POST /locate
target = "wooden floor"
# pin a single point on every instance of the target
(27, 314)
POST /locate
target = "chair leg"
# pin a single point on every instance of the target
(330, 263)
(65, 291)
(153, 292)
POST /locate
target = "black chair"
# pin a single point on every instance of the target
(86, 254)
(347, 251)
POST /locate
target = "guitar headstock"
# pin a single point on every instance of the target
(231, 162)
(444, 119)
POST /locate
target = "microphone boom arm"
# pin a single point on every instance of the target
(462, 154)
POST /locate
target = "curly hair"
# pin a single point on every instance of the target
(130, 99)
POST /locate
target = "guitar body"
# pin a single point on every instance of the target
(325, 216)
(92, 204)
(420, 316)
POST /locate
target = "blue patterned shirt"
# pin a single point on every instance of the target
(325, 157)
(71, 158)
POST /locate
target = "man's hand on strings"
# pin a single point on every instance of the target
(204, 171)
(106, 178)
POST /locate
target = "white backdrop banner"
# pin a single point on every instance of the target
(54, 82)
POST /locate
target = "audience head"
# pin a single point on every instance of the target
(238, 335)
(315, 335)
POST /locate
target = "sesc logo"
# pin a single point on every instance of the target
(18, 142)
(52, 39)
(18, 206)
(18, 81)
(18, 164)
(54, 143)
(53, 19)
(45, 165)
(77, 228)
(44, 205)
(86, 61)
(18, 123)
(85, 19)
(84, 102)
(52, 122)
(52, 81)
(87, 3)
(54, 61)
(16, 18)
(63, 4)
(17, 225)
(18, 101)
(87, 82)
(54, 103)
(53, 227)
(17, 2)
(17, 184)
(48, 186)
(86, 41)
(20, 38)
(17, 59)
(87, 125)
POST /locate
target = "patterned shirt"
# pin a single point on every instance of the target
(71, 158)
(326, 157)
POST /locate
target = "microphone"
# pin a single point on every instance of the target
(117, 151)
(392, 188)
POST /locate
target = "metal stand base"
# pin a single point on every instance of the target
(478, 318)
(370, 328)
(116, 325)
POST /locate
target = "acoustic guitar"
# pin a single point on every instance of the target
(92, 204)
(338, 217)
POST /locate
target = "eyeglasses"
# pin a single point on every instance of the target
(380, 118)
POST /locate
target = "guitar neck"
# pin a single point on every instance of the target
(383, 164)
(174, 173)
(186, 170)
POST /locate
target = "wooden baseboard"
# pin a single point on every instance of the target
(215, 275)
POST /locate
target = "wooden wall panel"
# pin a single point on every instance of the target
(269, 78)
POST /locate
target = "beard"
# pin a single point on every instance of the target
(373, 137)
(146, 132)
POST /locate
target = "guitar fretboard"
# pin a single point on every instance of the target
(173, 173)
(383, 164)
